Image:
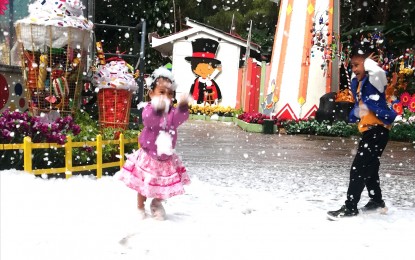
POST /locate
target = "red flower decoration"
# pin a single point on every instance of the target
(398, 108)
(253, 118)
(3, 6)
(405, 98)
(411, 105)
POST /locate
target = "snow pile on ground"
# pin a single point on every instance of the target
(84, 218)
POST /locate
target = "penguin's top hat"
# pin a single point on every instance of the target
(204, 50)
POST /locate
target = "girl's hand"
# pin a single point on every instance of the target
(184, 100)
(160, 103)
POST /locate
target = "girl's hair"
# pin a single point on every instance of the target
(154, 83)
(161, 73)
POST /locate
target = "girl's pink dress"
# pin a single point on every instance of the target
(153, 178)
(152, 175)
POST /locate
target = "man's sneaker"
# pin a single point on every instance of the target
(375, 206)
(157, 209)
(342, 213)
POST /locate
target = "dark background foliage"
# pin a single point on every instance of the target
(395, 18)
(217, 13)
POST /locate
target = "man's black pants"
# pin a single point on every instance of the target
(365, 167)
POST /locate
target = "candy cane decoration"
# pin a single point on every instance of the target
(31, 77)
(346, 94)
(60, 86)
(41, 77)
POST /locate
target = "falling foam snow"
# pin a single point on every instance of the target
(374, 97)
(266, 207)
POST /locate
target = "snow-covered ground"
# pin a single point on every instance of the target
(226, 213)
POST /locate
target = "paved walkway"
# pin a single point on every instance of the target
(230, 155)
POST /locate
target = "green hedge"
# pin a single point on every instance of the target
(400, 131)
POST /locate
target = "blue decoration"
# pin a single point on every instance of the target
(18, 89)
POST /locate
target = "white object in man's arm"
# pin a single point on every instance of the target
(377, 76)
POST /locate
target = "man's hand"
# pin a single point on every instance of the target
(374, 57)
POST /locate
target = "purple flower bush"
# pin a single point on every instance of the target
(16, 125)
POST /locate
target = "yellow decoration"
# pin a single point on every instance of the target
(28, 146)
(12, 107)
(136, 74)
(210, 110)
(289, 9)
(100, 53)
(74, 66)
(310, 8)
(130, 67)
(301, 101)
(41, 77)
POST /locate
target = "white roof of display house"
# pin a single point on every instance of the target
(165, 44)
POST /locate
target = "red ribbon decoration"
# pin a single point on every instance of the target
(203, 55)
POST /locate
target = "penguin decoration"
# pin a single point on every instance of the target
(206, 67)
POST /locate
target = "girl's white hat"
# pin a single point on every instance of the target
(161, 72)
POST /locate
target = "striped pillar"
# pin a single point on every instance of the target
(297, 80)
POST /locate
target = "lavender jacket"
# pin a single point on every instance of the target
(153, 124)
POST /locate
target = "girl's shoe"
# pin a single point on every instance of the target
(157, 209)
(141, 214)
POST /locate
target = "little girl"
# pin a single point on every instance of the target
(155, 170)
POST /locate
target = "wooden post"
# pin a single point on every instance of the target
(122, 149)
(99, 156)
(27, 150)
(68, 157)
(248, 85)
(335, 73)
(239, 90)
